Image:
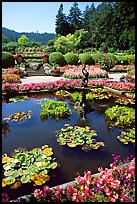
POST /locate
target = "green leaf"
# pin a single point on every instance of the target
(54, 165)
(25, 179)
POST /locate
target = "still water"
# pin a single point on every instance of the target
(35, 133)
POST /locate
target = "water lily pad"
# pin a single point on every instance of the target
(25, 179)
(9, 180)
(40, 178)
(54, 165)
(13, 173)
(15, 185)
(5, 158)
(71, 144)
(26, 164)
(3, 182)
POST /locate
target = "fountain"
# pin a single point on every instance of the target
(82, 106)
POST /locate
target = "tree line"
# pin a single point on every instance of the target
(111, 24)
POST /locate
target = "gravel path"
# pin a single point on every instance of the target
(37, 79)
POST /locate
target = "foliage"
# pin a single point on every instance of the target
(23, 39)
(74, 17)
(19, 116)
(11, 78)
(62, 94)
(122, 60)
(56, 58)
(131, 59)
(54, 110)
(7, 60)
(71, 58)
(96, 57)
(126, 137)
(76, 97)
(86, 58)
(62, 26)
(75, 136)
(10, 47)
(111, 185)
(121, 115)
(107, 61)
(27, 166)
(104, 47)
(19, 98)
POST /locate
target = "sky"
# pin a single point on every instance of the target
(35, 16)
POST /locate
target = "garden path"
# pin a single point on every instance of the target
(37, 79)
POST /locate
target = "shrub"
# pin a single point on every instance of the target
(104, 47)
(96, 57)
(7, 60)
(71, 58)
(86, 58)
(131, 59)
(107, 61)
(122, 60)
(11, 78)
(57, 58)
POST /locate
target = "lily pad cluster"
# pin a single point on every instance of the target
(19, 98)
(19, 116)
(73, 136)
(121, 115)
(125, 101)
(127, 137)
(54, 110)
(28, 166)
(62, 94)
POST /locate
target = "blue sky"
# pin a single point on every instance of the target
(35, 16)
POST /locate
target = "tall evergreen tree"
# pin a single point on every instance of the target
(75, 17)
(62, 26)
(88, 14)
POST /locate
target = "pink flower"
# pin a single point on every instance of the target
(37, 192)
(5, 197)
(75, 197)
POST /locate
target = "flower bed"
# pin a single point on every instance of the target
(8, 88)
(109, 185)
(13, 70)
(120, 68)
(11, 78)
(94, 72)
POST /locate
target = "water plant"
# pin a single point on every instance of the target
(126, 137)
(19, 98)
(27, 166)
(19, 116)
(62, 94)
(75, 135)
(54, 110)
(121, 115)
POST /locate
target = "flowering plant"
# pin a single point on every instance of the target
(11, 78)
(13, 70)
(94, 72)
(110, 185)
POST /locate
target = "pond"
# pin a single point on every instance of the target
(35, 132)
